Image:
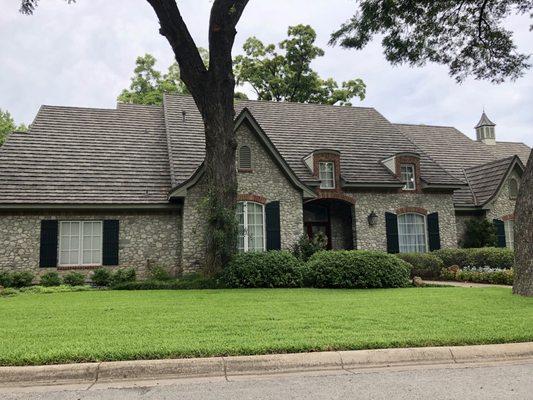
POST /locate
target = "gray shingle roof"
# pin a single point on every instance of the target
(484, 121)
(87, 156)
(362, 135)
(466, 159)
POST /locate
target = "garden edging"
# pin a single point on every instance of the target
(227, 367)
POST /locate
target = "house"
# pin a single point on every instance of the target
(124, 187)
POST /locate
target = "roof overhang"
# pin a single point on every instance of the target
(43, 206)
(373, 184)
(515, 163)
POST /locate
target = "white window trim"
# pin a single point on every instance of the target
(325, 163)
(245, 222)
(414, 176)
(426, 234)
(80, 250)
(509, 233)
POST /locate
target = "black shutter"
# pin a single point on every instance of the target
(433, 231)
(48, 248)
(391, 224)
(500, 232)
(110, 242)
(273, 235)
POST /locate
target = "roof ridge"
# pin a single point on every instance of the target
(428, 125)
(492, 162)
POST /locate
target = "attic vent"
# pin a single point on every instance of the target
(245, 157)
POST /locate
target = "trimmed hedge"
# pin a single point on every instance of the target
(357, 269)
(424, 265)
(493, 257)
(479, 275)
(74, 279)
(263, 270)
(22, 279)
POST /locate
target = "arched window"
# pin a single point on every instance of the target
(245, 157)
(513, 188)
(412, 236)
(251, 233)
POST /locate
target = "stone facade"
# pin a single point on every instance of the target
(264, 179)
(375, 237)
(145, 238)
(502, 204)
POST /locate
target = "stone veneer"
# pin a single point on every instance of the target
(265, 179)
(146, 237)
(502, 204)
(375, 237)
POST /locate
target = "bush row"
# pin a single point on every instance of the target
(479, 275)
(493, 257)
(324, 269)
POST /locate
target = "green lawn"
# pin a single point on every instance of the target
(120, 325)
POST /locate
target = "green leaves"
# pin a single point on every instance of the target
(286, 74)
(7, 125)
(467, 36)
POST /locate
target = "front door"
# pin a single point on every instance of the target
(313, 228)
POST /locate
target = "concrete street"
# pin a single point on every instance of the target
(503, 380)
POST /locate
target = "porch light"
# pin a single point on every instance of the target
(372, 218)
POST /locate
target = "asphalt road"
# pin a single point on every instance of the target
(466, 382)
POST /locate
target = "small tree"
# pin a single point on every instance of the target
(479, 233)
(7, 125)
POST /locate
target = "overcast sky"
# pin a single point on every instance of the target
(84, 55)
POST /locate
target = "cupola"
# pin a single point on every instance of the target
(485, 131)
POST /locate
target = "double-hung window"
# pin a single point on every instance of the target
(80, 243)
(251, 229)
(509, 233)
(408, 176)
(412, 233)
(326, 172)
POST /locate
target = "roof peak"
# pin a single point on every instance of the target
(484, 121)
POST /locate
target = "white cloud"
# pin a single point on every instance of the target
(83, 55)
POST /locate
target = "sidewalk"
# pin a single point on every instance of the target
(226, 367)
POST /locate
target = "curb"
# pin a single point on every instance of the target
(226, 367)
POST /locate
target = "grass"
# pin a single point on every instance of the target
(124, 325)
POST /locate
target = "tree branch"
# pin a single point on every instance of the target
(173, 27)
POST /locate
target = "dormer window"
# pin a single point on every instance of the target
(408, 176)
(326, 171)
(245, 158)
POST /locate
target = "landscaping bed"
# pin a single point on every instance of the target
(126, 325)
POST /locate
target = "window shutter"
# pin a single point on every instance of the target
(500, 232)
(110, 242)
(245, 157)
(273, 236)
(391, 224)
(48, 248)
(433, 231)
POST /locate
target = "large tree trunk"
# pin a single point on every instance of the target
(213, 90)
(523, 272)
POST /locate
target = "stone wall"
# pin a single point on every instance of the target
(502, 205)
(264, 179)
(145, 238)
(375, 237)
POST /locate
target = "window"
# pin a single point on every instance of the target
(408, 176)
(326, 174)
(245, 157)
(412, 233)
(80, 243)
(513, 188)
(251, 219)
(509, 233)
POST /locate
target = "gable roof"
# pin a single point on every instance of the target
(479, 165)
(87, 156)
(362, 136)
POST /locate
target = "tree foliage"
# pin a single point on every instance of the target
(8, 125)
(149, 84)
(468, 36)
(286, 74)
(479, 232)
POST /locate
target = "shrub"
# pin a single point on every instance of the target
(494, 257)
(424, 265)
(479, 233)
(158, 273)
(263, 269)
(306, 247)
(357, 269)
(51, 279)
(451, 257)
(22, 279)
(8, 292)
(101, 277)
(6, 279)
(123, 275)
(74, 279)
(182, 284)
(496, 276)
